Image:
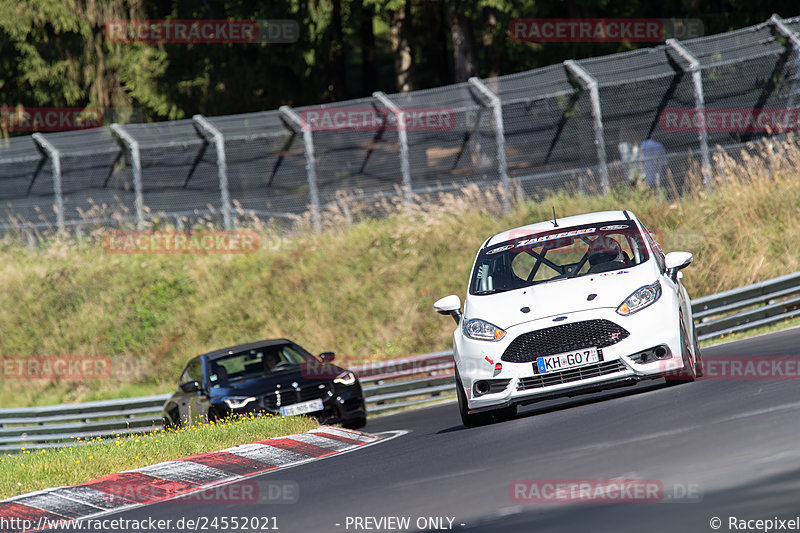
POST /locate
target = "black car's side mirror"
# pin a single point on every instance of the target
(190, 386)
(327, 357)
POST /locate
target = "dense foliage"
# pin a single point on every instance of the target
(55, 53)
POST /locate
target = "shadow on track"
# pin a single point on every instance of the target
(568, 403)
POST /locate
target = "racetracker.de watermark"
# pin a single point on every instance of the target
(379, 119)
(55, 367)
(242, 492)
(603, 30)
(602, 490)
(50, 118)
(742, 368)
(730, 120)
(202, 31)
(180, 242)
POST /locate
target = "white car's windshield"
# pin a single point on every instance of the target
(560, 253)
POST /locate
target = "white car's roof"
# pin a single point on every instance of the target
(577, 220)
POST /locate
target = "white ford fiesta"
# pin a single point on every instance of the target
(566, 307)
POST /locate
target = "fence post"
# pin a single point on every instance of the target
(55, 160)
(794, 41)
(500, 137)
(207, 128)
(699, 105)
(311, 166)
(136, 167)
(402, 135)
(590, 84)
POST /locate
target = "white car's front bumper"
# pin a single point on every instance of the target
(655, 326)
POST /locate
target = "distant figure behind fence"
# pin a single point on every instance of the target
(655, 161)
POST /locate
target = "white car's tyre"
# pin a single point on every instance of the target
(506, 413)
(689, 371)
(469, 420)
(481, 419)
(699, 367)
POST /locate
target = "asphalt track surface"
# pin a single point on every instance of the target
(734, 443)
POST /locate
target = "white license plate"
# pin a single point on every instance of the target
(564, 361)
(302, 408)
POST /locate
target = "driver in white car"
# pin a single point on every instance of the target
(606, 254)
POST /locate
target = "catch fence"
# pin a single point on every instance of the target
(586, 125)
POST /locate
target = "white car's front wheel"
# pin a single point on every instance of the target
(689, 371)
(469, 420)
(484, 418)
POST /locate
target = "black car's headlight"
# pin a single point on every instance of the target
(641, 298)
(346, 378)
(237, 402)
(482, 330)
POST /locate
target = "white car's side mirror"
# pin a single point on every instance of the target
(449, 305)
(676, 261)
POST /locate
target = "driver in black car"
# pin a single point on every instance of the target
(271, 360)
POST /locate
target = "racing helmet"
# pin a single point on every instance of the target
(604, 249)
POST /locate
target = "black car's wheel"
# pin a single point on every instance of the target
(689, 371)
(213, 416)
(355, 423)
(469, 420)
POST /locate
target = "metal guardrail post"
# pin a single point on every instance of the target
(590, 84)
(402, 135)
(500, 137)
(311, 166)
(55, 160)
(207, 128)
(136, 168)
(699, 105)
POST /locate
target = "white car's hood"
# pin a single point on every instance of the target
(504, 309)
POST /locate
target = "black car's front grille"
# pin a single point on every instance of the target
(270, 401)
(312, 392)
(289, 395)
(597, 333)
(568, 376)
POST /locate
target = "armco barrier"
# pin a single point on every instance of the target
(61, 425)
(388, 385)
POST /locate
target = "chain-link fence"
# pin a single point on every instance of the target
(585, 125)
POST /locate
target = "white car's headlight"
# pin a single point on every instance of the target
(482, 330)
(345, 378)
(640, 299)
(237, 402)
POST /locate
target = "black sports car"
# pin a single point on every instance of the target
(271, 376)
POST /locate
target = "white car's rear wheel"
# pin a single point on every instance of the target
(699, 367)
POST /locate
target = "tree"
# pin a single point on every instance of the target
(55, 54)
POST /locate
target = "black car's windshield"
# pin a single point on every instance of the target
(559, 253)
(255, 363)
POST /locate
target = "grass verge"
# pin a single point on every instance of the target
(88, 460)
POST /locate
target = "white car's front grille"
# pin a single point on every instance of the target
(563, 338)
(567, 376)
